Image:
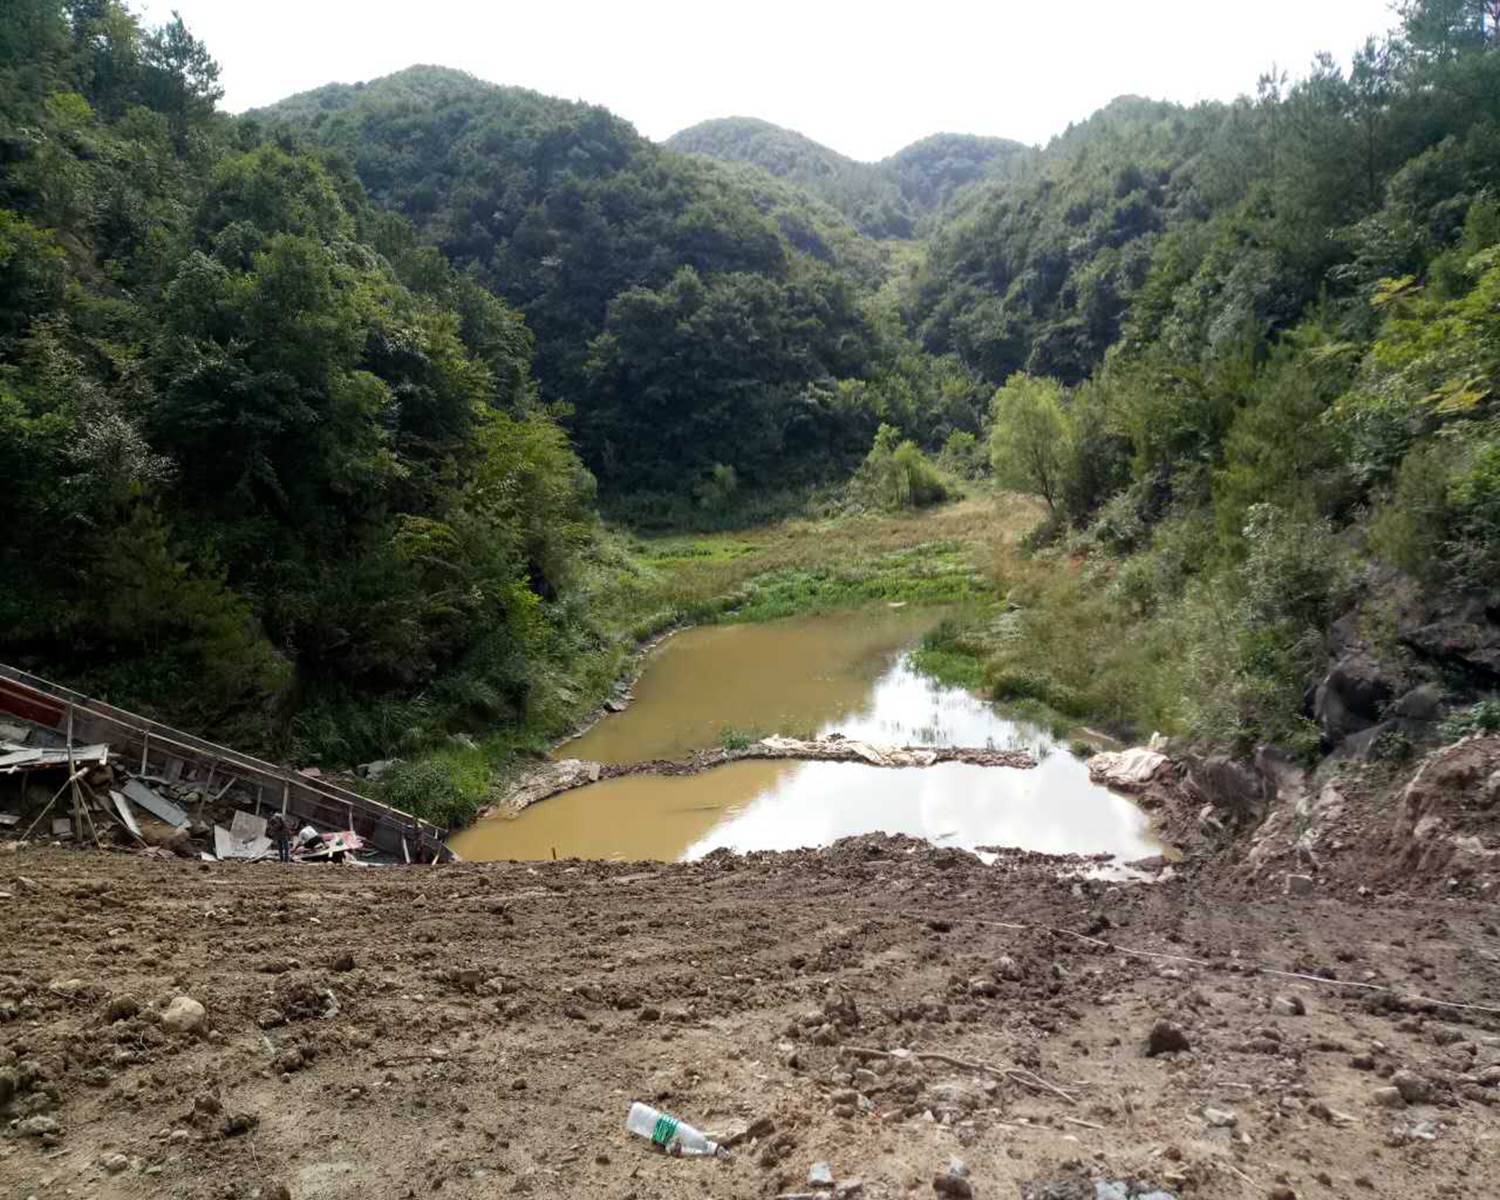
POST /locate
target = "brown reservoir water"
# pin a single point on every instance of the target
(849, 674)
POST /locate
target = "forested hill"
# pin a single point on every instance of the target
(679, 311)
(897, 197)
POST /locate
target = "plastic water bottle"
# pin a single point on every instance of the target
(674, 1136)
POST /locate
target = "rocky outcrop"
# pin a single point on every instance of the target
(1352, 696)
(1240, 794)
(1460, 632)
(1450, 811)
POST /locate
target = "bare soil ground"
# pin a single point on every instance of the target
(481, 1029)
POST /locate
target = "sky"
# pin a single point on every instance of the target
(865, 78)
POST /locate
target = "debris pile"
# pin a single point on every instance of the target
(82, 794)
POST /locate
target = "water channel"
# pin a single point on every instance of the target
(847, 673)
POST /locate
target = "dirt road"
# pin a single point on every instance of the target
(480, 1030)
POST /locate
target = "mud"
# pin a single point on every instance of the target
(480, 1029)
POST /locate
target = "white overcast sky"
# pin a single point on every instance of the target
(863, 77)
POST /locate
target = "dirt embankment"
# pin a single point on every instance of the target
(554, 777)
(480, 1030)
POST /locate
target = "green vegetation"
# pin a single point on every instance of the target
(685, 316)
(899, 197)
(293, 469)
(947, 657)
(287, 477)
(896, 475)
(1297, 293)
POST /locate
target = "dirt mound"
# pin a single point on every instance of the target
(880, 1007)
(1449, 819)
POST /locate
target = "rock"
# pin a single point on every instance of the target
(1424, 703)
(289, 1061)
(1166, 1038)
(954, 1181)
(116, 1163)
(1281, 1192)
(759, 1128)
(1288, 1006)
(1351, 696)
(8, 1088)
(1241, 792)
(1414, 1088)
(374, 770)
(121, 1008)
(1388, 1097)
(820, 1175)
(1219, 1118)
(1008, 969)
(236, 1124)
(1382, 742)
(1128, 770)
(1299, 885)
(38, 1126)
(179, 1137)
(344, 962)
(1457, 630)
(183, 1015)
(848, 1188)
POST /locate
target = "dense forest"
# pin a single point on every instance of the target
(899, 197)
(307, 416)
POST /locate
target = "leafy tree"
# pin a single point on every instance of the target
(1028, 445)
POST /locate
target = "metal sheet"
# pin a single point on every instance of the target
(37, 758)
(158, 806)
(247, 827)
(122, 806)
(227, 846)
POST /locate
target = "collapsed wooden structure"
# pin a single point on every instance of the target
(151, 748)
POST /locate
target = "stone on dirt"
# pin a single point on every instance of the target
(1414, 1088)
(1388, 1097)
(183, 1015)
(820, 1175)
(1299, 885)
(1288, 1006)
(121, 1008)
(954, 1181)
(1166, 1037)
(38, 1126)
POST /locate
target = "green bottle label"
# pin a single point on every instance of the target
(666, 1129)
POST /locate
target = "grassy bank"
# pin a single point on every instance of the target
(637, 587)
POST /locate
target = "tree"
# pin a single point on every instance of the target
(179, 76)
(1443, 30)
(1029, 443)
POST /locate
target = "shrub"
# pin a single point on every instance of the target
(715, 492)
(429, 788)
(897, 475)
(1482, 717)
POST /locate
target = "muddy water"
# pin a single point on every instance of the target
(817, 675)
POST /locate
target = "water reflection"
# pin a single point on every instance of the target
(839, 674)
